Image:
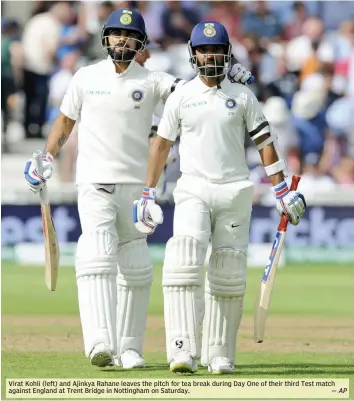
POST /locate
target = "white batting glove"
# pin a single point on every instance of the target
(35, 181)
(291, 203)
(239, 74)
(146, 214)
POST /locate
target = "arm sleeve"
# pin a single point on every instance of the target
(256, 123)
(169, 124)
(167, 84)
(72, 102)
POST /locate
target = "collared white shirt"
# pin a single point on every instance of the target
(115, 113)
(213, 122)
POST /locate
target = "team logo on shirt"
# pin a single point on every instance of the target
(230, 103)
(125, 18)
(209, 30)
(137, 96)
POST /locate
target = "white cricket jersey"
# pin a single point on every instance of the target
(212, 123)
(115, 113)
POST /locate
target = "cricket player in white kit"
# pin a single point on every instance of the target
(113, 101)
(213, 199)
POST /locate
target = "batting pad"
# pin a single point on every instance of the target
(96, 272)
(135, 275)
(224, 291)
(183, 302)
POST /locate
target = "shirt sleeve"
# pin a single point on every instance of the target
(256, 123)
(72, 102)
(167, 84)
(169, 124)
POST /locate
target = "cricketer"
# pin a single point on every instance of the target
(113, 102)
(213, 201)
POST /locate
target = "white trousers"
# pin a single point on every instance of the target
(113, 268)
(220, 212)
(99, 210)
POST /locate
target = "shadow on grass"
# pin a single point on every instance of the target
(283, 369)
(149, 367)
(258, 369)
(297, 365)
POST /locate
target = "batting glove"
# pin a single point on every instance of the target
(34, 180)
(146, 213)
(291, 203)
(239, 74)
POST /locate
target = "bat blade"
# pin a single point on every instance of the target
(262, 302)
(51, 248)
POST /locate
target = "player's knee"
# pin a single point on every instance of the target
(227, 273)
(96, 253)
(184, 260)
(134, 264)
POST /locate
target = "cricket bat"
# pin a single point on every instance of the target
(262, 302)
(50, 238)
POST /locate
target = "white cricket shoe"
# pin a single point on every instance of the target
(130, 359)
(101, 355)
(221, 365)
(183, 363)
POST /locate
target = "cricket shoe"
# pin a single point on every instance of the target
(183, 363)
(101, 356)
(221, 365)
(130, 359)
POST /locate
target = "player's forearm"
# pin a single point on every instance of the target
(59, 134)
(269, 156)
(158, 156)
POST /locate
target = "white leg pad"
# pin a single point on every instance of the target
(135, 275)
(182, 282)
(224, 292)
(96, 272)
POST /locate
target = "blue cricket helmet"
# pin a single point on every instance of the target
(128, 19)
(125, 18)
(210, 33)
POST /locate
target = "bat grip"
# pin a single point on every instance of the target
(37, 156)
(284, 218)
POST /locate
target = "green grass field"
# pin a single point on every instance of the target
(310, 331)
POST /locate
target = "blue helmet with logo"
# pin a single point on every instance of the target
(124, 19)
(210, 33)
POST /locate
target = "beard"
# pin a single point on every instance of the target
(125, 55)
(211, 71)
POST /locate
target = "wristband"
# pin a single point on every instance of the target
(281, 190)
(149, 193)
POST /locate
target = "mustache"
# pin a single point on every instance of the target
(212, 62)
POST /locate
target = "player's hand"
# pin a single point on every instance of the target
(291, 203)
(35, 181)
(239, 74)
(146, 213)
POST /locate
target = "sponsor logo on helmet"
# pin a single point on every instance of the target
(125, 19)
(209, 30)
(137, 96)
(230, 103)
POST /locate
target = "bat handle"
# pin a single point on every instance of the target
(283, 225)
(37, 156)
